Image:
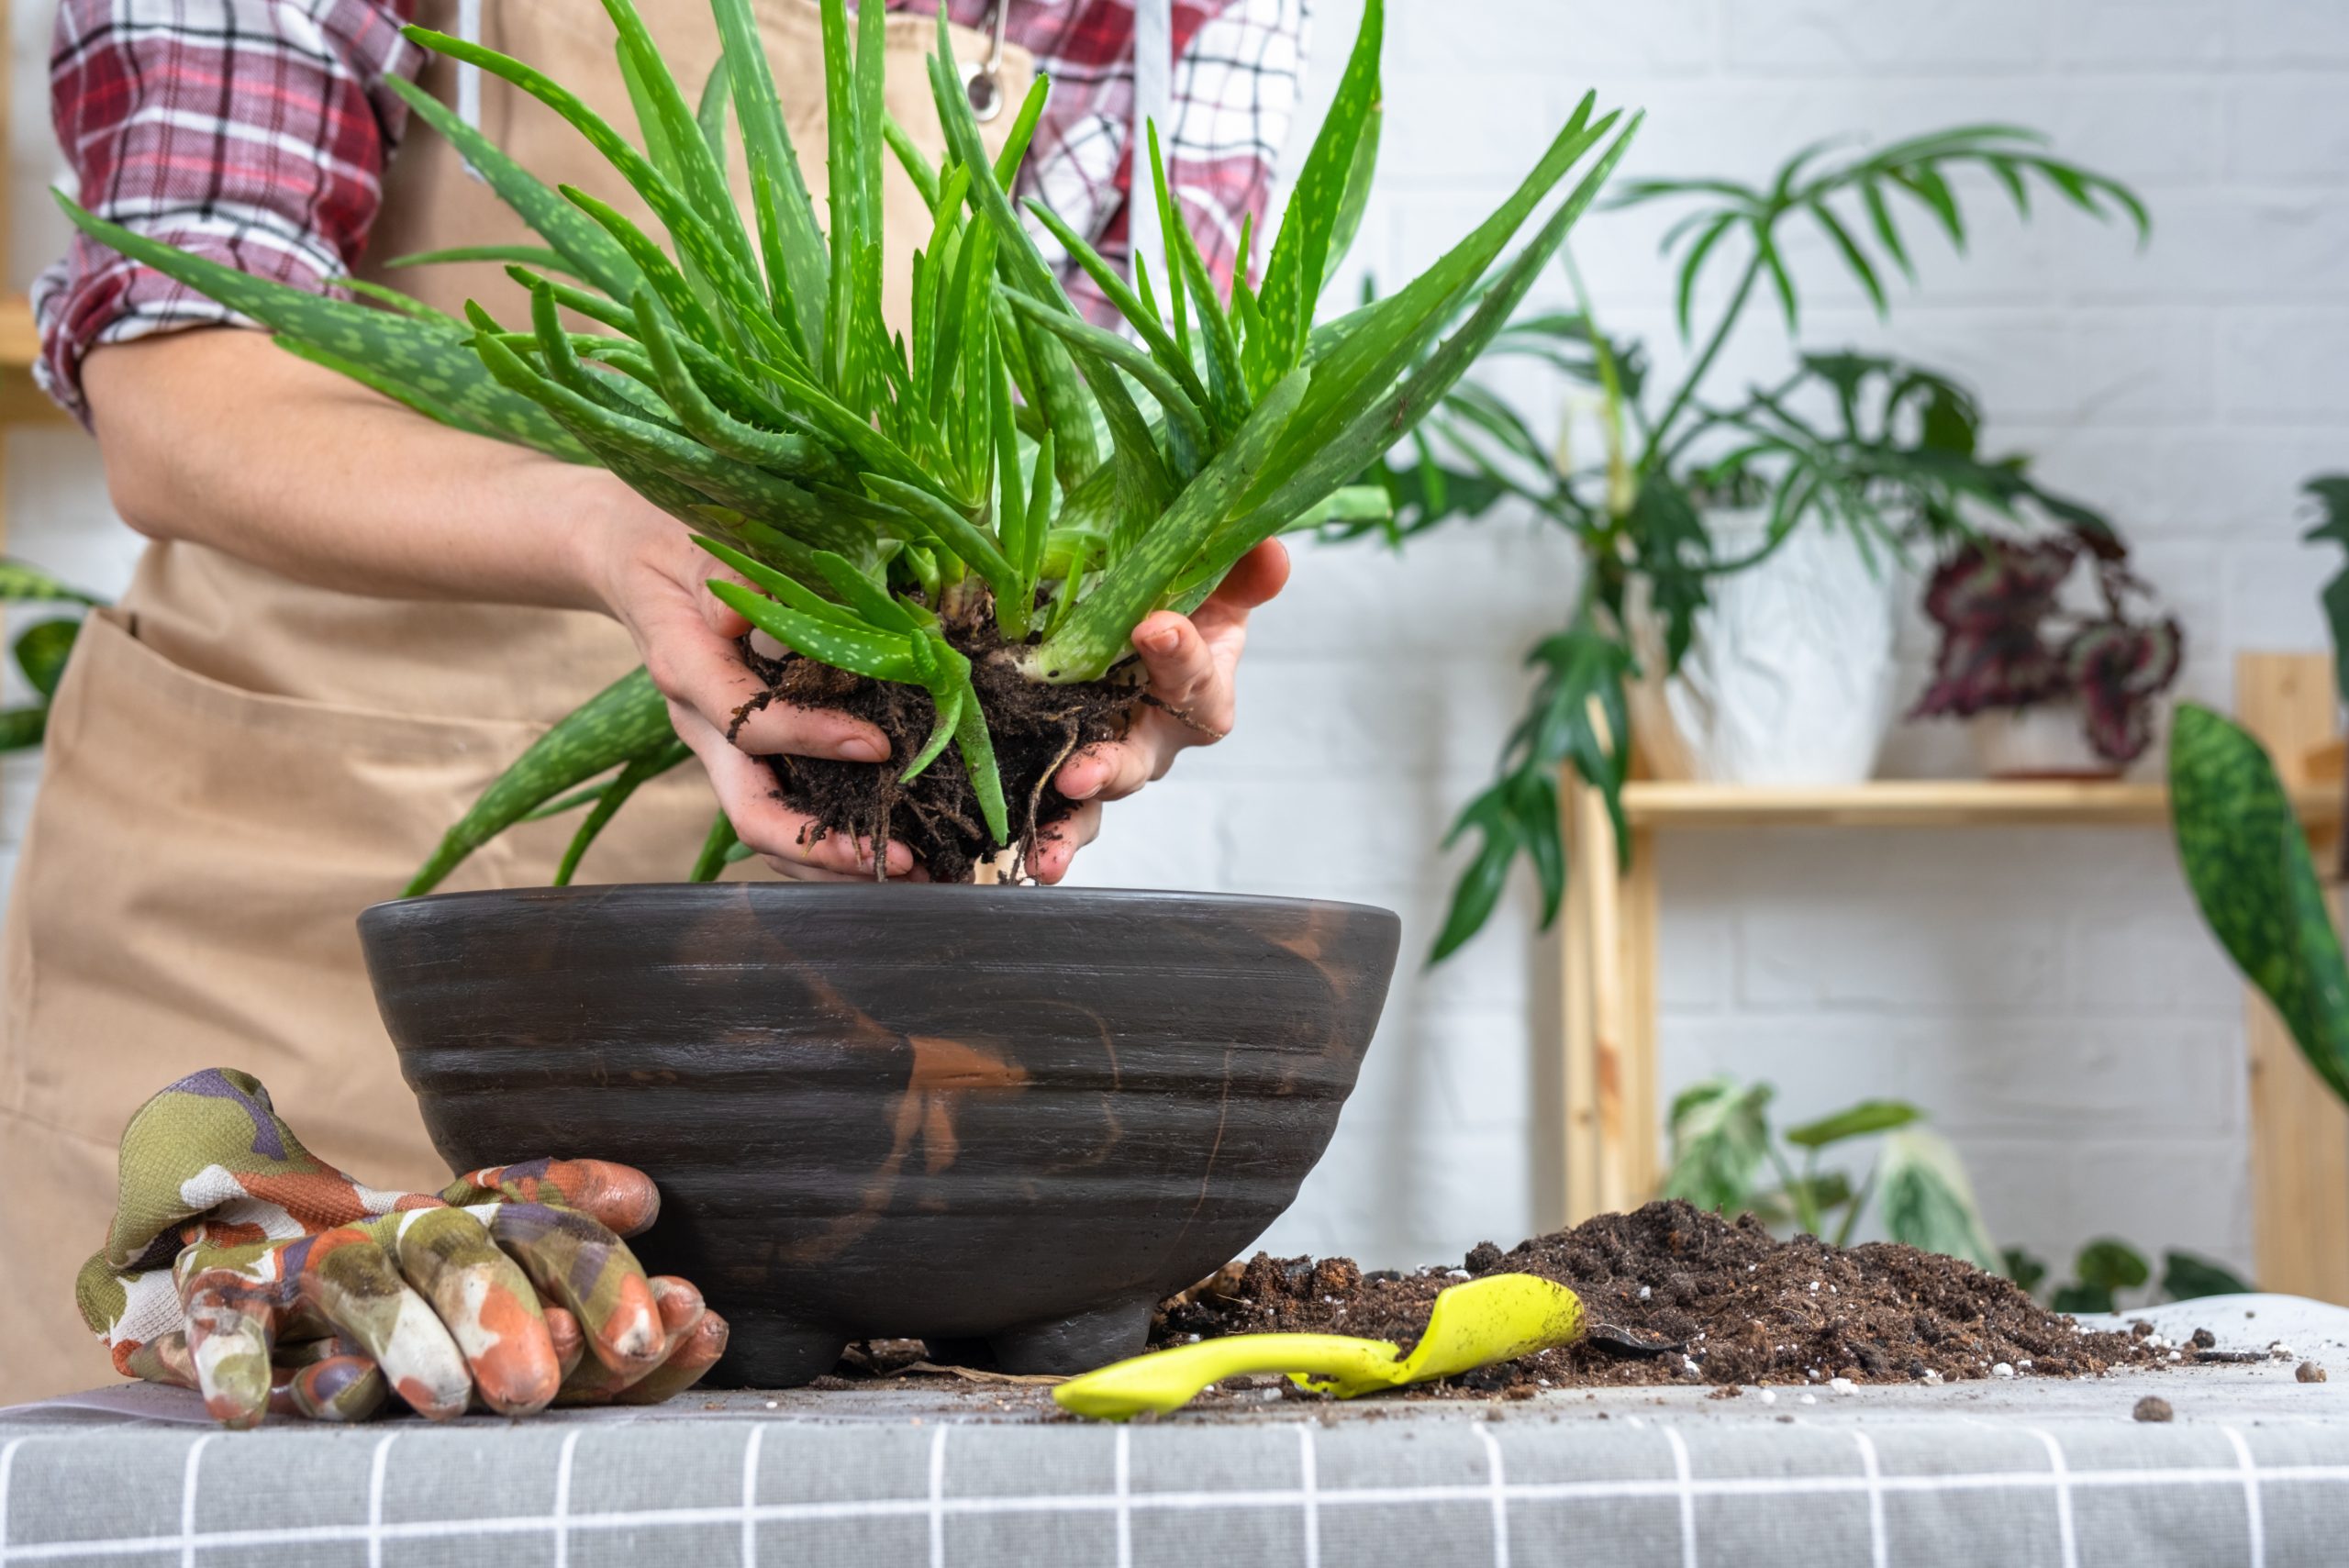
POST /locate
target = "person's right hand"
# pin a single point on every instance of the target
(652, 579)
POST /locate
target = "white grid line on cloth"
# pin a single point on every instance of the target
(1878, 1550)
(2256, 1524)
(1386, 1496)
(1308, 1482)
(750, 1494)
(1684, 1483)
(376, 1464)
(2068, 1545)
(561, 1520)
(1500, 1496)
(190, 1474)
(1125, 1479)
(7, 1477)
(936, 1502)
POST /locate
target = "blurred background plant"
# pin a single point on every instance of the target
(39, 650)
(2108, 1266)
(2008, 644)
(1885, 449)
(1727, 1157)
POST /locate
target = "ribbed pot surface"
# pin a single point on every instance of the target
(955, 1114)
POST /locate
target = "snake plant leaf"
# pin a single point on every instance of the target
(1863, 1121)
(625, 719)
(859, 649)
(436, 362)
(1924, 1199)
(2248, 863)
(1300, 256)
(41, 649)
(23, 582)
(587, 252)
(640, 770)
(2330, 492)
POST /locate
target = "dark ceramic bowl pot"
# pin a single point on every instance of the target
(1013, 1116)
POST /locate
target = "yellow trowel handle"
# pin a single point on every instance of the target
(1167, 1380)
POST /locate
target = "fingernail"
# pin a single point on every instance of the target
(1086, 793)
(860, 750)
(1163, 642)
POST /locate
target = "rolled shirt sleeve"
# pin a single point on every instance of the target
(253, 132)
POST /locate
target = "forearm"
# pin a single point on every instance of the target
(219, 437)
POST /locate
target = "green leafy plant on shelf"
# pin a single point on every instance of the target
(2247, 859)
(40, 649)
(1727, 1157)
(2107, 1266)
(1885, 449)
(1001, 492)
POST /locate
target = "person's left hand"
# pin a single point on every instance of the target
(1191, 702)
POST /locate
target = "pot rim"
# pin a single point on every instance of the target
(1013, 898)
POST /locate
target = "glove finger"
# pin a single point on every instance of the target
(342, 1388)
(349, 1281)
(570, 1345)
(231, 1324)
(691, 1355)
(581, 1266)
(620, 1197)
(681, 1313)
(165, 1360)
(487, 1304)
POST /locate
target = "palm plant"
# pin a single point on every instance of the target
(984, 506)
(1882, 447)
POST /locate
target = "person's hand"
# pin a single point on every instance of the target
(652, 579)
(241, 1266)
(1190, 701)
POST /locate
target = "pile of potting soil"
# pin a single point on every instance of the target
(1675, 1295)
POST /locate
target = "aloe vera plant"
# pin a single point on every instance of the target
(1004, 487)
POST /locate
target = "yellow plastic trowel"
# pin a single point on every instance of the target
(1496, 1318)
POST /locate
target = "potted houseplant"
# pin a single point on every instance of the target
(949, 1111)
(2050, 693)
(1763, 527)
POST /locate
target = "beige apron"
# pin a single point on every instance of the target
(237, 764)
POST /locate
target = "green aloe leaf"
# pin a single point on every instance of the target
(797, 263)
(436, 362)
(860, 650)
(2248, 863)
(625, 719)
(588, 252)
(1300, 256)
(639, 770)
(971, 739)
(950, 701)
(716, 850)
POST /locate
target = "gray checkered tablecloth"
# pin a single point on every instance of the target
(2255, 1471)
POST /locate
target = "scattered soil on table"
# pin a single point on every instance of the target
(937, 815)
(1724, 1302)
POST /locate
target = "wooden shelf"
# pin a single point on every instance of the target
(1923, 803)
(19, 342)
(21, 402)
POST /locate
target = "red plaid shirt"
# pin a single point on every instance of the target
(257, 131)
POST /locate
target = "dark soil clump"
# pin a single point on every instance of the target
(1710, 1300)
(937, 816)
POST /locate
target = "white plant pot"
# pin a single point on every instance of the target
(2048, 742)
(1790, 679)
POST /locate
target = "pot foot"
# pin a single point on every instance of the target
(764, 1353)
(1067, 1346)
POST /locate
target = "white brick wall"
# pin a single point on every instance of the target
(2048, 995)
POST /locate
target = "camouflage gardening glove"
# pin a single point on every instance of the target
(243, 1267)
